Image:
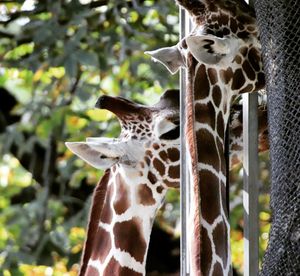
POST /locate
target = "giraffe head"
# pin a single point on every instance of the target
(225, 40)
(148, 143)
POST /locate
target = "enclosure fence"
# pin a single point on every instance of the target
(279, 24)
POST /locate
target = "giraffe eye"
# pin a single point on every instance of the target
(172, 134)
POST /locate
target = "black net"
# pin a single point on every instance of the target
(279, 23)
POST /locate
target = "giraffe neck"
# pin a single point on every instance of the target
(120, 244)
(207, 123)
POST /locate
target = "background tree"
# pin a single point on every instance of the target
(57, 57)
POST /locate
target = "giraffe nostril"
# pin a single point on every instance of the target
(103, 157)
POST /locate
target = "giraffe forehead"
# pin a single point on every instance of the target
(146, 127)
(225, 19)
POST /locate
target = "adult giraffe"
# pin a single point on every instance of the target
(222, 57)
(142, 164)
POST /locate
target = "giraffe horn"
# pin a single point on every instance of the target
(119, 106)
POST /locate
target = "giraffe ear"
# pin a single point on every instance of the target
(88, 152)
(170, 57)
(211, 49)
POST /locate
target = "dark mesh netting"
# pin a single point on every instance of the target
(279, 23)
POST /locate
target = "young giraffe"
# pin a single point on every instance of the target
(144, 163)
(222, 57)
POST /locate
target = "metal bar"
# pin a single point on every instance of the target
(250, 192)
(183, 167)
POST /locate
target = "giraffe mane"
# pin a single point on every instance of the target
(94, 218)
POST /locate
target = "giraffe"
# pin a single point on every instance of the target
(140, 166)
(223, 59)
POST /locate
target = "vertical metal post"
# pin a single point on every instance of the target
(183, 167)
(250, 192)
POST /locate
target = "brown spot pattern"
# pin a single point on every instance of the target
(226, 75)
(174, 171)
(159, 166)
(220, 240)
(106, 215)
(102, 242)
(238, 59)
(243, 34)
(201, 83)
(217, 95)
(248, 70)
(172, 184)
(122, 199)
(238, 79)
(223, 19)
(206, 252)
(220, 147)
(213, 76)
(224, 200)
(217, 270)
(147, 160)
(163, 155)
(149, 153)
(247, 89)
(152, 178)
(244, 51)
(92, 271)
(173, 154)
(129, 237)
(205, 113)
(226, 31)
(220, 125)
(233, 25)
(159, 189)
(254, 59)
(209, 189)
(260, 81)
(114, 268)
(144, 195)
(207, 148)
